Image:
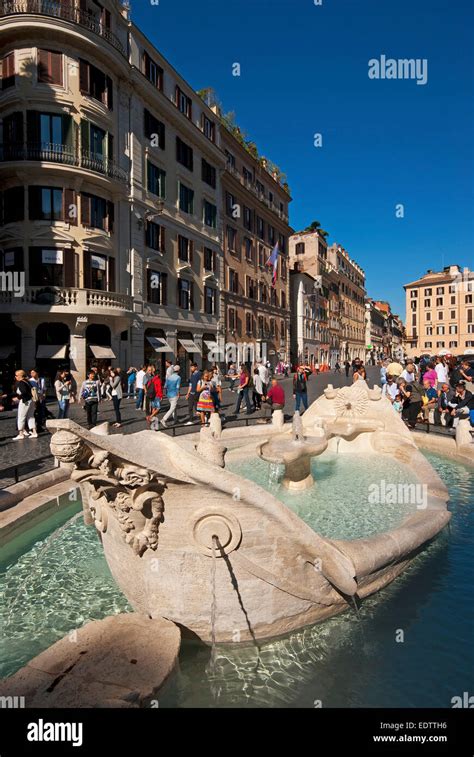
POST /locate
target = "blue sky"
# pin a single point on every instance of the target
(304, 70)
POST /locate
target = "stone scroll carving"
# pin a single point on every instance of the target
(112, 487)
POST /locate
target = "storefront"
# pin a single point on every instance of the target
(157, 350)
(52, 351)
(99, 347)
(188, 352)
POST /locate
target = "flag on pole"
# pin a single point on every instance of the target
(273, 261)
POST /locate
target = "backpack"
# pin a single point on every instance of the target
(34, 394)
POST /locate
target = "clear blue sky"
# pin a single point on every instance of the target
(304, 69)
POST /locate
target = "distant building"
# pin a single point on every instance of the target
(352, 300)
(440, 312)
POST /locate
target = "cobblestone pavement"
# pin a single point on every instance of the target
(33, 455)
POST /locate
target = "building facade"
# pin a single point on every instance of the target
(440, 313)
(352, 303)
(309, 255)
(111, 196)
(255, 313)
(375, 325)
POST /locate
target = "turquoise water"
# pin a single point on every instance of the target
(340, 505)
(344, 661)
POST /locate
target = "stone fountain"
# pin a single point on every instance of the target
(295, 454)
(186, 539)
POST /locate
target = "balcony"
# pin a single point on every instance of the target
(63, 11)
(66, 155)
(59, 299)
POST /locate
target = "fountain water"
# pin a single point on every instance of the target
(295, 454)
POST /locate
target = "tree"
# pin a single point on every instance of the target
(316, 226)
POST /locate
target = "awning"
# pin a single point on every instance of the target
(159, 344)
(189, 345)
(211, 345)
(102, 353)
(52, 351)
(6, 352)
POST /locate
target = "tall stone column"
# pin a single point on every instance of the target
(77, 354)
(172, 339)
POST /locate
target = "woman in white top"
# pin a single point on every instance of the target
(442, 372)
(115, 388)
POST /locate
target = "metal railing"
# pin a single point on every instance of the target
(65, 12)
(65, 154)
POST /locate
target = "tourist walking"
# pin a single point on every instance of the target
(264, 373)
(90, 395)
(300, 388)
(245, 384)
(131, 381)
(154, 396)
(116, 392)
(169, 368)
(62, 387)
(25, 396)
(347, 367)
(140, 388)
(40, 405)
(232, 375)
(172, 385)
(192, 393)
(337, 367)
(205, 405)
(216, 384)
(258, 390)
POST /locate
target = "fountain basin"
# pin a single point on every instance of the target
(295, 455)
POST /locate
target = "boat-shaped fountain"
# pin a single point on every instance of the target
(182, 532)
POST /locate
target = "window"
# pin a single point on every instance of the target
(157, 289)
(260, 227)
(45, 203)
(428, 316)
(95, 83)
(233, 281)
(470, 328)
(413, 304)
(183, 103)
(50, 67)
(429, 331)
(154, 130)
(185, 249)
(251, 288)
(248, 323)
(261, 256)
(469, 316)
(439, 302)
(231, 236)
(440, 344)
(440, 330)
(209, 128)
(273, 297)
(210, 214)
(156, 180)
(97, 212)
(427, 303)
(283, 268)
(428, 344)
(260, 188)
(8, 71)
(283, 300)
(282, 330)
(46, 266)
(468, 299)
(185, 295)
(271, 234)
(184, 154)
(428, 292)
(248, 247)
(208, 173)
(248, 176)
(231, 319)
(272, 327)
(299, 249)
(452, 288)
(230, 202)
(230, 159)
(439, 290)
(210, 260)
(440, 316)
(210, 300)
(248, 218)
(186, 199)
(453, 300)
(453, 344)
(453, 329)
(152, 71)
(155, 236)
(12, 205)
(470, 343)
(453, 314)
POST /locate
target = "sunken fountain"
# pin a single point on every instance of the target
(183, 531)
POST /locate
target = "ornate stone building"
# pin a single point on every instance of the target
(352, 299)
(110, 194)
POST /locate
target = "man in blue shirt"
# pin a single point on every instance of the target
(172, 384)
(192, 395)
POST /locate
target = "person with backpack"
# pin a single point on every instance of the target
(26, 396)
(63, 393)
(90, 396)
(300, 388)
(154, 395)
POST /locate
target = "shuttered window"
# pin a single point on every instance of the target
(50, 67)
(8, 71)
(97, 212)
(155, 236)
(152, 71)
(157, 287)
(12, 205)
(154, 130)
(95, 83)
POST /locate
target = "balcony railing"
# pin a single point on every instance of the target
(68, 297)
(65, 154)
(66, 11)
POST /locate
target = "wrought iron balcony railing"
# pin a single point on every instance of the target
(65, 154)
(66, 11)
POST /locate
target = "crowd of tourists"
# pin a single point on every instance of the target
(431, 391)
